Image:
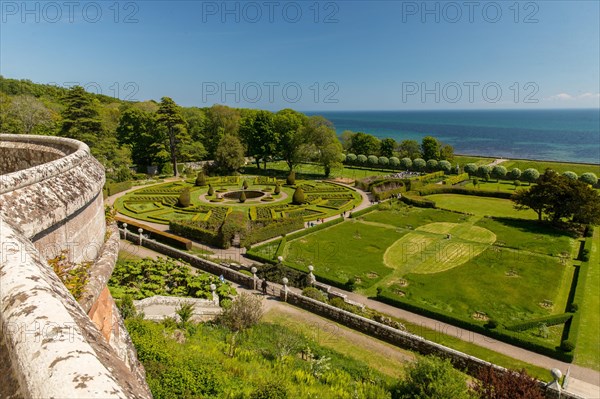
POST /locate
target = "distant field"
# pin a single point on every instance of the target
(480, 206)
(462, 160)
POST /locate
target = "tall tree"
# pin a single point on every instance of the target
(230, 153)
(430, 148)
(387, 147)
(136, 129)
(80, 118)
(366, 144)
(170, 123)
(292, 140)
(409, 149)
(257, 129)
(325, 147)
(346, 139)
(32, 114)
(220, 120)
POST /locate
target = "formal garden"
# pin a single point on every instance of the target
(478, 264)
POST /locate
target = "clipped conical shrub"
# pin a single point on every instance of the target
(245, 185)
(185, 198)
(243, 197)
(211, 190)
(200, 179)
(277, 189)
(298, 197)
(291, 179)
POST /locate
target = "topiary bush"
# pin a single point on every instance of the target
(491, 324)
(185, 198)
(589, 178)
(200, 179)
(471, 169)
(245, 185)
(515, 173)
(419, 164)
(243, 196)
(291, 179)
(314, 293)
(298, 197)
(432, 165)
(211, 190)
(406, 163)
(277, 189)
(570, 175)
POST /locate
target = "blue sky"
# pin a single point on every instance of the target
(307, 55)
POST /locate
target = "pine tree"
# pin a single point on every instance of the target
(80, 118)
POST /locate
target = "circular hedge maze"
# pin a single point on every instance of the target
(221, 196)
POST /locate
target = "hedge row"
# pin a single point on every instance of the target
(429, 190)
(381, 196)
(364, 211)
(548, 320)
(158, 235)
(580, 283)
(511, 337)
(456, 179)
(314, 229)
(114, 188)
(265, 229)
(412, 198)
(189, 229)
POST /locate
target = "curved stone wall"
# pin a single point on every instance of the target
(50, 345)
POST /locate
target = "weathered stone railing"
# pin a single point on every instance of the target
(50, 345)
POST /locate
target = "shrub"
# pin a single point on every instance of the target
(351, 158)
(243, 195)
(383, 161)
(515, 174)
(406, 163)
(270, 390)
(517, 183)
(585, 255)
(419, 164)
(211, 190)
(245, 311)
(291, 179)
(573, 308)
(432, 165)
(351, 284)
(314, 293)
(185, 198)
(373, 160)
(589, 178)
(483, 170)
(531, 175)
(471, 169)
(277, 189)
(499, 172)
(492, 383)
(298, 197)
(475, 181)
(445, 166)
(245, 185)
(394, 162)
(201, 179)
(567, 346)
(456, 179)
(570, 175)
(361, 159)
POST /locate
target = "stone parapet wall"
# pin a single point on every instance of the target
(52, 346)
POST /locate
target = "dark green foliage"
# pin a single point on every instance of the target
(185, 199)
(125, 305)
(243, 196)
(264, 229)
(80, 118)
(277, 189)
(430, 148)
(270, 390)
(245, 312)
(245, 185)
(158, 235)
(314, 293)
(291, 179)
(567, 346)
(491, 324)
(471, 169)
(211, 190)
(235, 223)
(432, 378)
(351, 284)
(548, 321)
(200, 179)
(298, 197)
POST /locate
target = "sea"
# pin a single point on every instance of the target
(568, 135)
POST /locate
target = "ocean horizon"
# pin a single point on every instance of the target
(566, 135)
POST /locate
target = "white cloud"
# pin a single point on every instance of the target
(589, 95)
(561, 97)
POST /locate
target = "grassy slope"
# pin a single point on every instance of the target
(480, 206)
(559, 167)
(587, 353)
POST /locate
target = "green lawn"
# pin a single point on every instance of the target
(350, 249)
(504, 284)
(587, 353)
(529, 236)
(493, 185)
(462, 160)
(480, 206)
(399, 215)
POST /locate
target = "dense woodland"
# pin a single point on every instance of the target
(123, 134)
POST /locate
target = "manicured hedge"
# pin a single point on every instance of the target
(412, 198)
(114, 188)
(456, 179)
(314, 229)
(265, 229)
(548, 320)
(191, 230)
(429, 190)
(158, 235)
(511, 337)
(364, 211)
(383, 195)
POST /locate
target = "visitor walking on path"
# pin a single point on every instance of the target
(264, 285)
